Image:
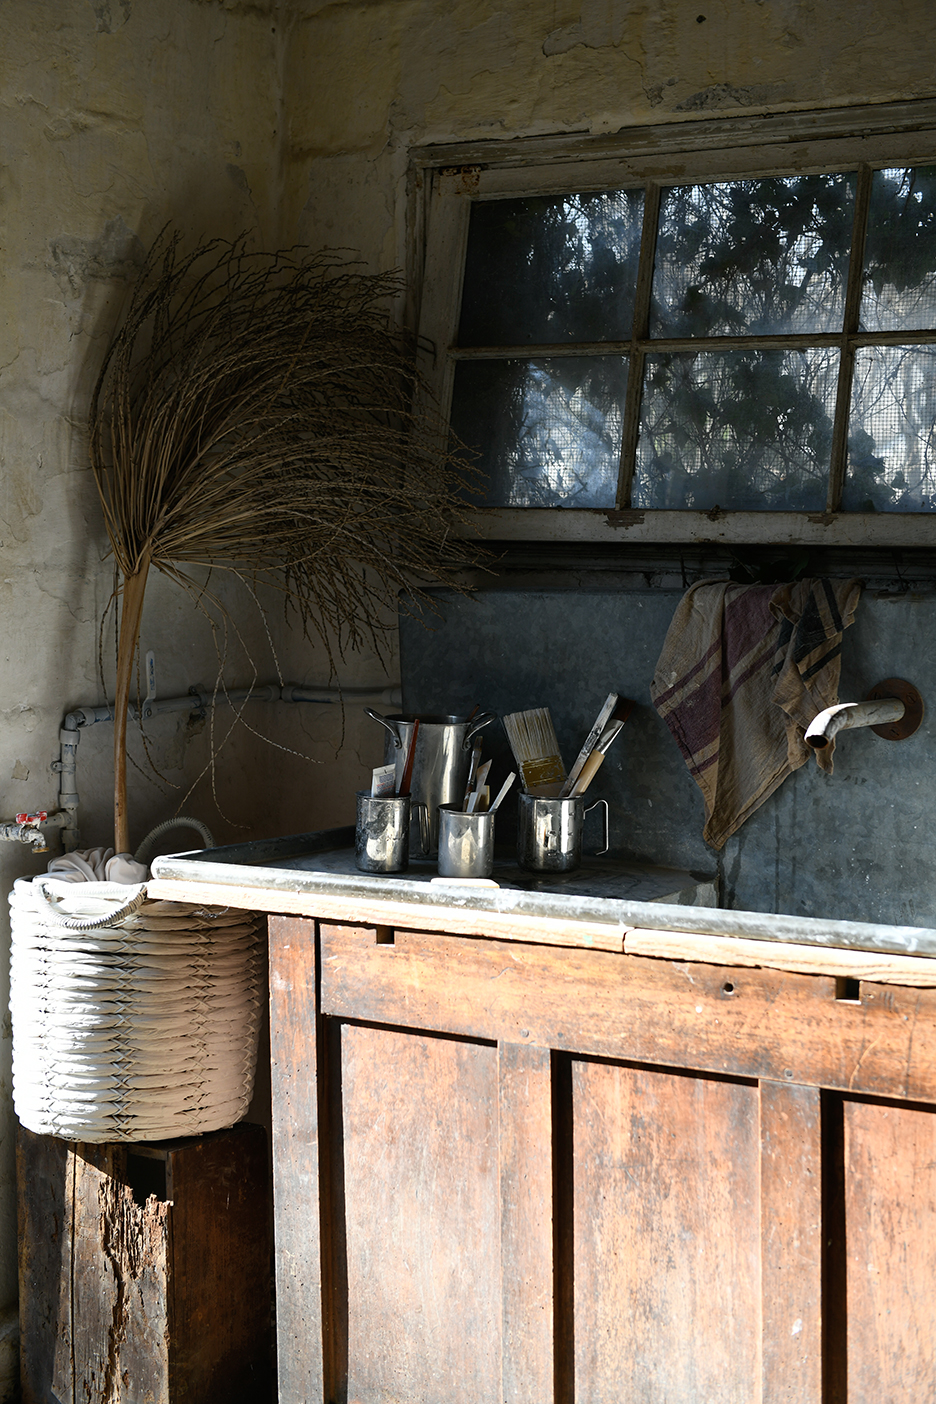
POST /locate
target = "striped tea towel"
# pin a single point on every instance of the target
(743, 671)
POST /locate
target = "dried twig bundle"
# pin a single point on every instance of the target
(259, 412)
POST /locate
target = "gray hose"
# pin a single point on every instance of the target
(181, 822)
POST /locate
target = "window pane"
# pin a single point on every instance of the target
(548, 432)
(900, 254)
(748, 256)
(747, 430)
(892, 443)
(551, 270)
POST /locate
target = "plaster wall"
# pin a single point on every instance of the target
(293, 120)
(116, 117)
(366, 80)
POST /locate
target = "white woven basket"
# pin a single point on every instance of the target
(141, 1030)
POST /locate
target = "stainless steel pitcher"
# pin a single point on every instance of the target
(440, 765)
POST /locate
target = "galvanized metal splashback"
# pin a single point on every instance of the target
(856, 845)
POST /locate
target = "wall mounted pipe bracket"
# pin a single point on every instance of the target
(893, 710)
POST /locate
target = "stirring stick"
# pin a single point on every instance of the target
(479, 786)
(503, 790)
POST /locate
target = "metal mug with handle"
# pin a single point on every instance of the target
(440, 765)
(549, 833)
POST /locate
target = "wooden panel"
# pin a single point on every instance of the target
(112, 1291)
(878, 966)
(294, 1055)
(667, 1237)
(526, 1170)
(754, 1023)
(890, 1191)
(130, 1294)
(220, 1253)
(43, 1171)
(422, 1199)
(791, 1244)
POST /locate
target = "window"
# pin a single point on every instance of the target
(689, 333)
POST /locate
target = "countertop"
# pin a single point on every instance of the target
(609, 903)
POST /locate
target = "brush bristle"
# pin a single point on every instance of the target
(532, 738)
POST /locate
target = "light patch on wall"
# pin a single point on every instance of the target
(19, 771)
(115, 254)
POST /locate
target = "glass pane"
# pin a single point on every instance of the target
(551, 269)
(892, 444)
(900, 254)
(747, 430)
(749, 256)
(547, 432)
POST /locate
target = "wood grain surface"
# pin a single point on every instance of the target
(748, 1023)
(539, 1174)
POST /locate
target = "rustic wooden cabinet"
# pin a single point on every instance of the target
(539, 1174)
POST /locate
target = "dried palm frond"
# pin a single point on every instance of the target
(259, 412)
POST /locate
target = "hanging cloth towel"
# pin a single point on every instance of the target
(743, 671)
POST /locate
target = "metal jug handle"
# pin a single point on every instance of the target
(484, 720)
(607, 827)
(390, 726)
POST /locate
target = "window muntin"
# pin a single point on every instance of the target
(739, 346)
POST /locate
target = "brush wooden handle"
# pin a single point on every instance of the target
(587, 772)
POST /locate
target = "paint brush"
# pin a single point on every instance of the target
(503, 790)
(533, 741)
(472, 773)
(590, 742)
(407, 776)
(614, 724)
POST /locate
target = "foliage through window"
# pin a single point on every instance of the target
(760, 344)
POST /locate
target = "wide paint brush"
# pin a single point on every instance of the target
(533, 741)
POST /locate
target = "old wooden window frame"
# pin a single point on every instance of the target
(445, 180)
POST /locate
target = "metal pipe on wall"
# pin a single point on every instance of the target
(29, 828)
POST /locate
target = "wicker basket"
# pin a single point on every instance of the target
(142, 1028)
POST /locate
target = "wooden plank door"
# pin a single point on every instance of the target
(465, 1215)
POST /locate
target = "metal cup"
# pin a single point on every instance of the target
(381, 834)
(549, 833)
(466, 843)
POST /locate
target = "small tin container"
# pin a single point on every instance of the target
(466, 843)
(381, 834)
